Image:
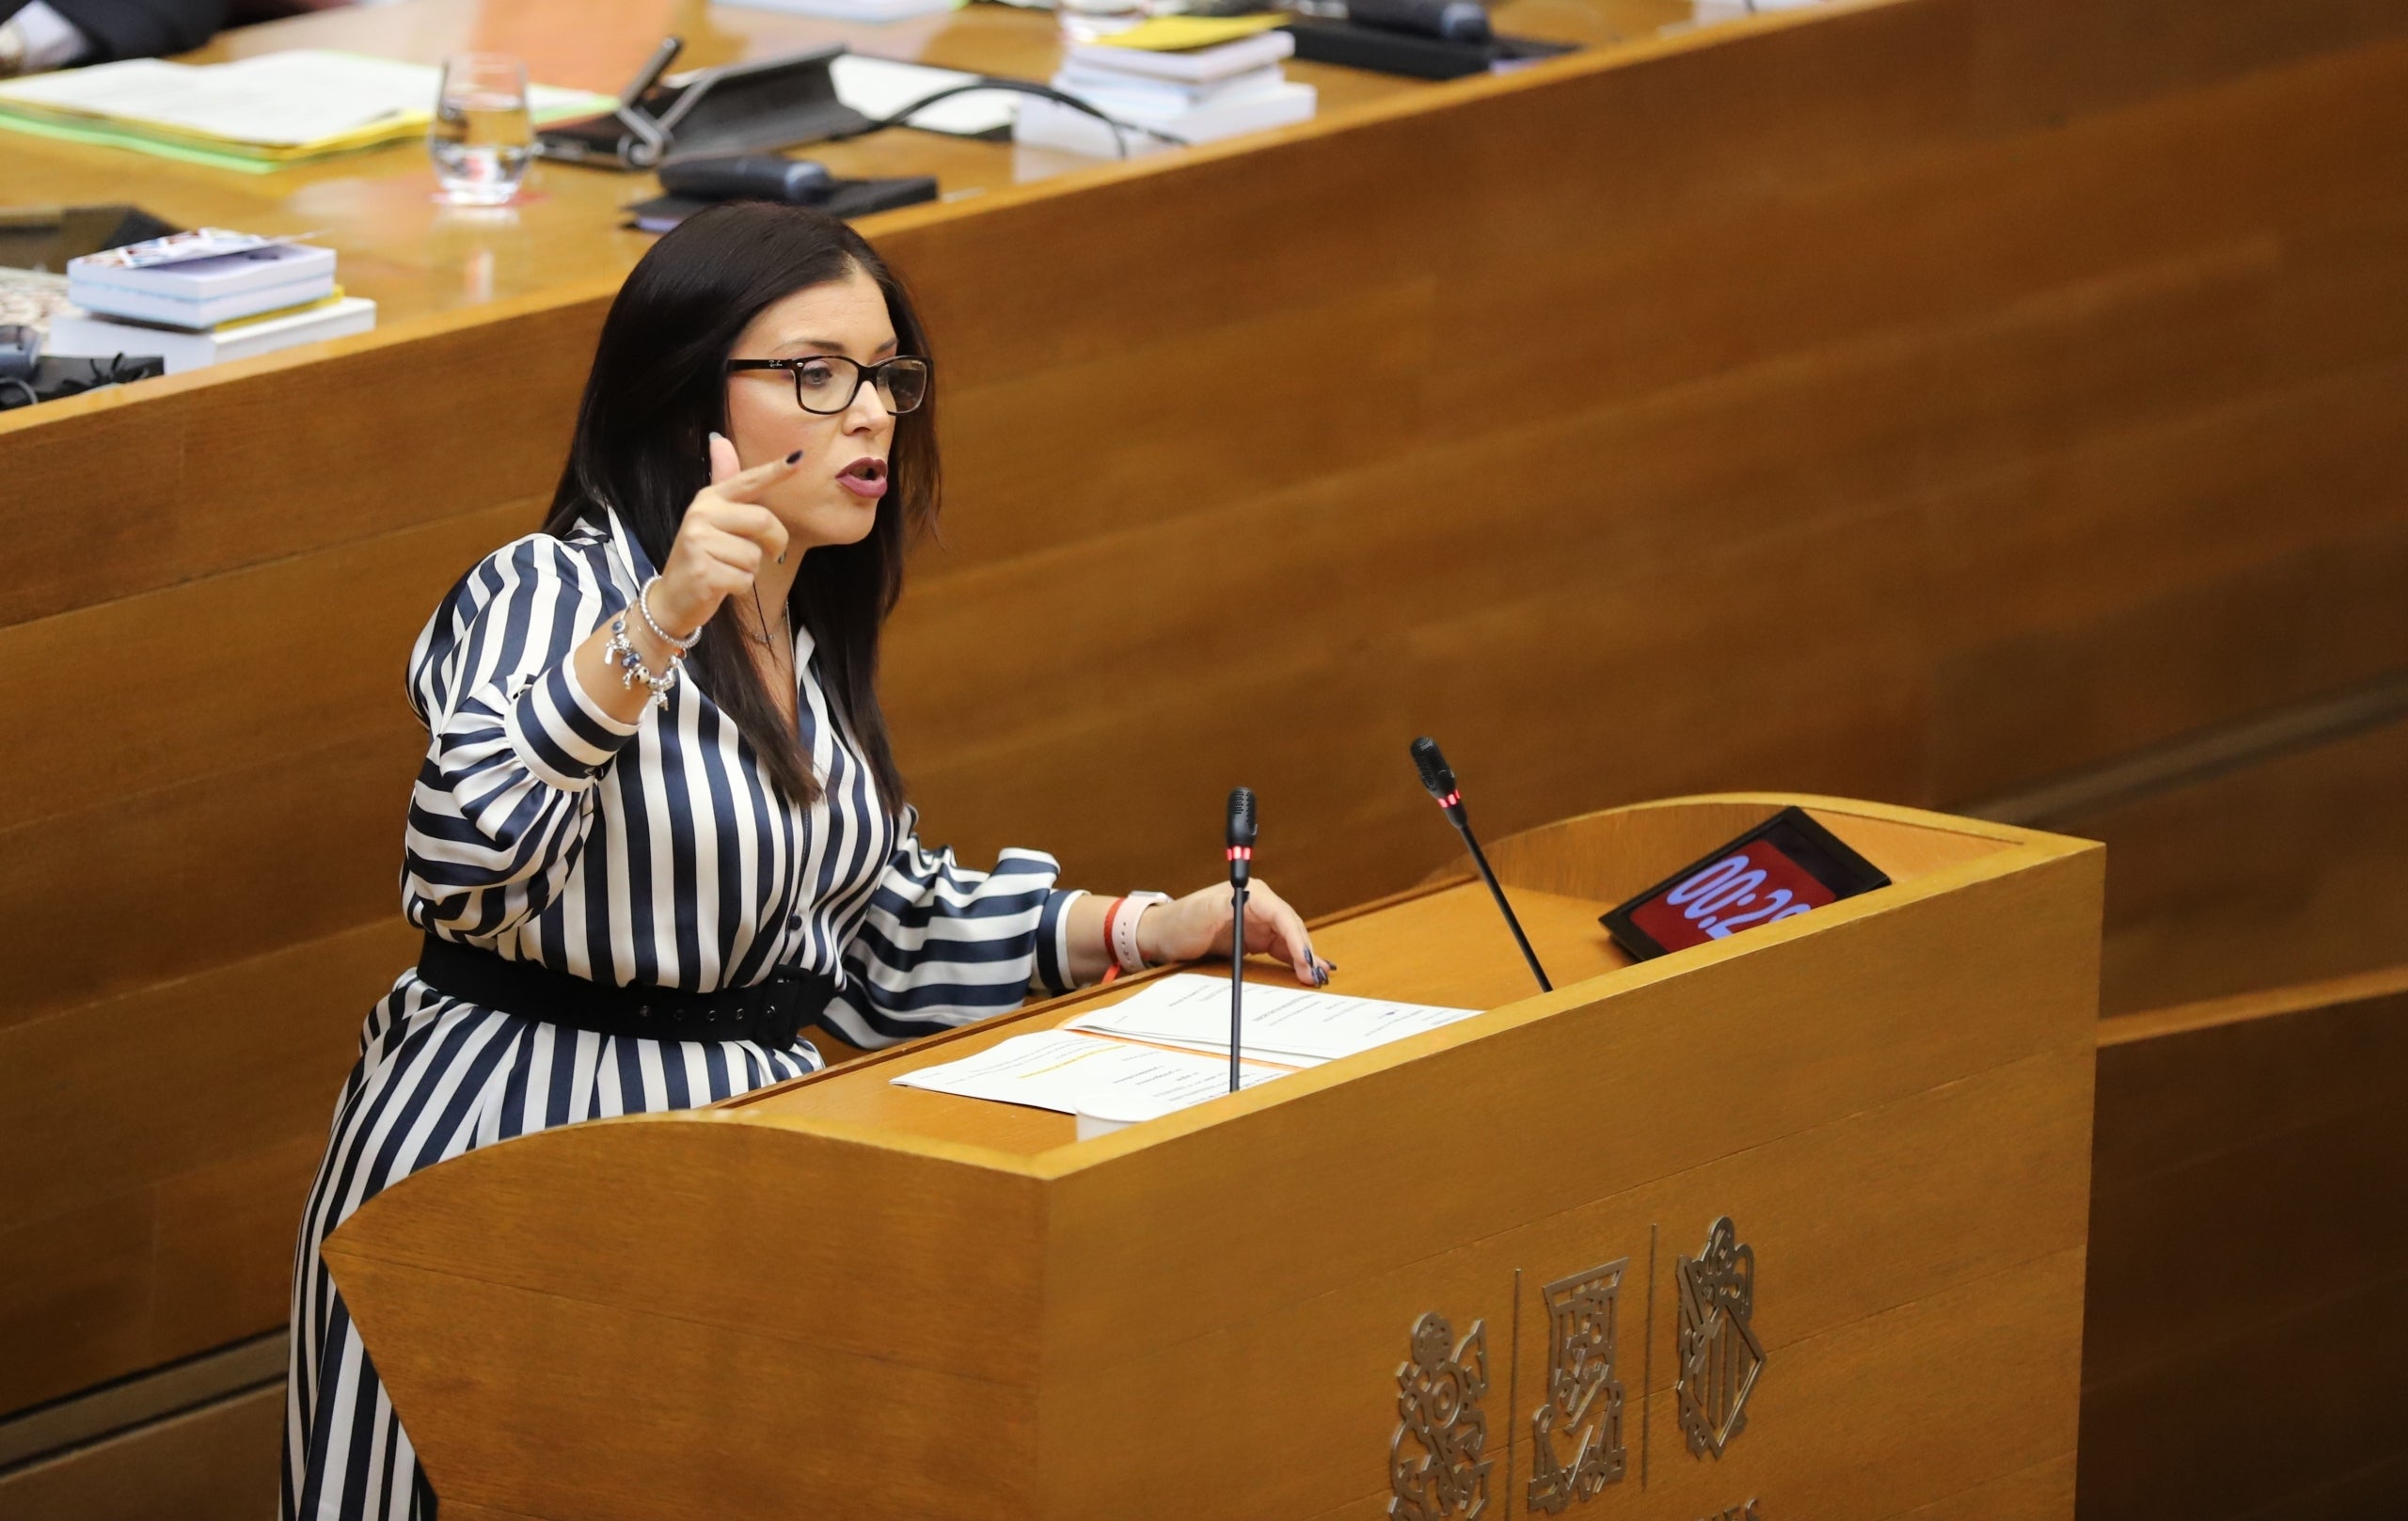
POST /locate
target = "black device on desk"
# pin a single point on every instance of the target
(1785, 867)
(734, 108)
(694, 184)
(1419, 38)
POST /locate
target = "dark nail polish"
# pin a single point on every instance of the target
(795, 455)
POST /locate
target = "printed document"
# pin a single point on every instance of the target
(277, 100)
(1296, 1026)
(1059, 1068)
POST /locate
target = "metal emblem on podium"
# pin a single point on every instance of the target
(1719, 1355)
(1583, 1405)
(1438, 1394)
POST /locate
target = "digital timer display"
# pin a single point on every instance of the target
(1786, 866)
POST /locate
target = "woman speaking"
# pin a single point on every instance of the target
(659, 828)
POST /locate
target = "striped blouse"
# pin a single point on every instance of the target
(544, 829)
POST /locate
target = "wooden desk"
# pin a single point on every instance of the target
(415, 258)
(978, 1316)
(1914, 400)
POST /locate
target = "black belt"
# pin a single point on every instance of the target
(771, 1013)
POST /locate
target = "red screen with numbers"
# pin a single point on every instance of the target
(1754, 884)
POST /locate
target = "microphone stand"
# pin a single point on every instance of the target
(1479, 859)
(1237, 974)
(1240, 838)
(1440, 779)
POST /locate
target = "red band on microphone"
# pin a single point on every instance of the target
(1451, 800)
(1241, 852)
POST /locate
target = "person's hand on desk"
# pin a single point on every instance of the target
(1197, 926)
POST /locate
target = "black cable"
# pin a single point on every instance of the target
(1022, 86)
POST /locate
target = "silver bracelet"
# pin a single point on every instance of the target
(624, 653)
(644, 606)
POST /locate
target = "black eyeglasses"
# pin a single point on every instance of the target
(827, 383)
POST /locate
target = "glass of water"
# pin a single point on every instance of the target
(481, 136)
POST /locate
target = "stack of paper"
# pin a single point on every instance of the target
(1064, 1071)
(253, 113)
(1167, 1046)
(195, 298)
(878, 87)
(1292, 1027)
(1192, 96)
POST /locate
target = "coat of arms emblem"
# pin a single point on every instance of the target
(1719, 1355)
(1438, 1394)
(1583, 1407)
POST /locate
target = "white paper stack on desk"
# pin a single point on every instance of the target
(1168, 1046)
(1192, 97)
(198, 298)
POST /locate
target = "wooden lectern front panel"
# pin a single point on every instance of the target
(1795, 1220)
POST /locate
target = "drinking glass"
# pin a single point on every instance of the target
(481, 136)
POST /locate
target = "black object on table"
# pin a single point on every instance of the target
(1385, 49)
(847, 199)
(733, 108)
(54, 377)
(45, 237)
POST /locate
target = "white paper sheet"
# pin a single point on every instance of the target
(878, 87)
(1060, 1069)
(1301, 1026)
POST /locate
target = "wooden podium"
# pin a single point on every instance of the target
(1794, 1221)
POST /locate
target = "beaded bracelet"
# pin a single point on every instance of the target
(644, 606)
(624, 653)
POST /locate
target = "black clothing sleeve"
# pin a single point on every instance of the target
(141, 28)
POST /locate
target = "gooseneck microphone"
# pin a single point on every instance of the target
(1441, 779)
(1241, 871)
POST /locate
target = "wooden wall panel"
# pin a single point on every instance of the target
(329, 635)
(2243, 1322)
(154, 1151)
(216, 469)
(1913, 400)
(217, 1463)
(2288, 871)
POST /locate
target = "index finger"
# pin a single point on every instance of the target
(747, 485)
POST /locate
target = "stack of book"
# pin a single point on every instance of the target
(198, 298)
(1187, 97)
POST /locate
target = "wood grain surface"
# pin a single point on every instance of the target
(416, 259)
(1913, 400)
(1101, 1321)
(2243, 1235)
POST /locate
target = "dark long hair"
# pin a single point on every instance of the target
(657, 392)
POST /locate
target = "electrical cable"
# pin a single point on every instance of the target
(1021, 87)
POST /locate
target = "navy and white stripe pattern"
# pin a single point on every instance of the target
(544, 829)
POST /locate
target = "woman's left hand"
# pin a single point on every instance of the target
(1198, 925)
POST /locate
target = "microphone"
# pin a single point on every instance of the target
(1241, 835)
(1439, 778)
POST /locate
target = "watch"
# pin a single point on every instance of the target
(1123, 929)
